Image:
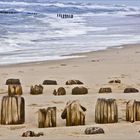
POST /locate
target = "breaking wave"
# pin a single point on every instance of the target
(70, 7)
(31, 31)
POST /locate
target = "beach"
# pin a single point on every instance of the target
(95, 70)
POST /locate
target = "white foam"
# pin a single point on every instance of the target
(68, 35)
(84, 7)
(17, 60)
(70, 28)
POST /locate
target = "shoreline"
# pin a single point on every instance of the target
(72, 56)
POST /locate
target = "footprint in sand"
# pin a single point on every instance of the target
(57, 102)
(38, 105)
(75, 66)
(4, 74)
(95, 60)
(53, 67)
(20, 71)
(63, 64)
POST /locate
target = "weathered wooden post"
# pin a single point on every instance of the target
(79, 90)
(13, 82)
(117, 81)
(133, 111)
(37, 89)
(47, 117)
(14, 90)
(60, 91)
(49, 82)
(74, 82)
(105, 90)
(106, 111)
(12, 110)
(74, 113)
(131, 90)
(14, 87)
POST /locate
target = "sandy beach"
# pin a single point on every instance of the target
(95, 70)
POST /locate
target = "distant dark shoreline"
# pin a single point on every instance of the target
(15, 12)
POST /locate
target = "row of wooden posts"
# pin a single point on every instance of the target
(106, 111)
(15, 88)
(65, 15)
(38, 89)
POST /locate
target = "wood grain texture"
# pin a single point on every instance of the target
(106, 111)
(13, 110)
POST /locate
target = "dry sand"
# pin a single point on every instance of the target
(95, 69)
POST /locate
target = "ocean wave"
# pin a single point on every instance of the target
(26, 38)
(58, 7)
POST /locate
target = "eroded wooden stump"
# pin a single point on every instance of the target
(133, 111)
(94, 130)
(14, 90)
(115, 81)
(49, 82)
(12, 110)
(47, 117)
(37, 89)
(74, 113)
(60, 91)
(131, 90)
(79, 90)
(74, 82)
(32, 134)
(106, 111)
(13, 81)
(105, 90)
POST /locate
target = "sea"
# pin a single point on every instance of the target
(41, 30)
